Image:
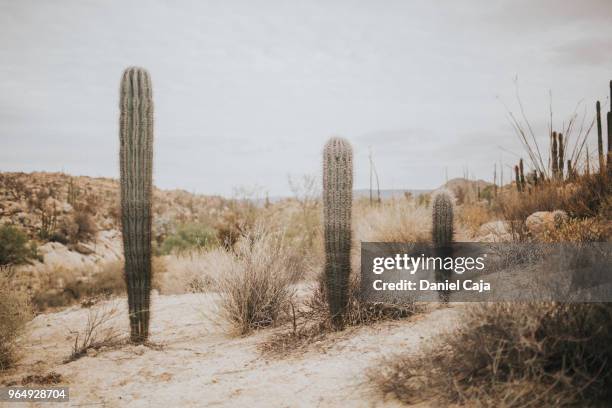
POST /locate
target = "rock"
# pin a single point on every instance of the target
(542, 221)
(85, 249)
(91, 352)
(494, 231)
(66, 208)
(140, 350)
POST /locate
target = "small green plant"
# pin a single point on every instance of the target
(190, 237)
(14, 247)
(337, 205)
(136, 168)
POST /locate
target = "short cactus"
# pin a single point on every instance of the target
(442, 219)
(136, 168)
(442, 234)
(337, 204)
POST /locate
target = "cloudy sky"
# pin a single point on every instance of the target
(246, 92)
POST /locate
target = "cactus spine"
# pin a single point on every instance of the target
(136, 168)
(442, 219)
(337, 203)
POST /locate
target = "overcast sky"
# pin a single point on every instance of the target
(247, 92)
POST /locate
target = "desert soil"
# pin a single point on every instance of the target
(201, 365)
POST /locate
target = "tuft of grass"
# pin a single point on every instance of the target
(253, 280)
(189, 237)
(99, 331)
(392, 221)
(511, 355)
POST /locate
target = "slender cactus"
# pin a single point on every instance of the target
(600, 152)
(337, 204)
(522, 175)
(609, 119)
(561, 154)
(517, 178)
(136, 168)
(554, 157)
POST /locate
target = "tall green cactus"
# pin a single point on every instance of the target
(337, 204)
(136, 168)
(442, 219)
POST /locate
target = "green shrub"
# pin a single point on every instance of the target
(14, 247)
(189, 237)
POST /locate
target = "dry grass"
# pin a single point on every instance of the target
(14, 314)
(310, 320)
(253, 280)
(392, 221)
(511, 355)
(472, 216)
(99, 331)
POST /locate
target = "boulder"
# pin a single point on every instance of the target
(541, 222)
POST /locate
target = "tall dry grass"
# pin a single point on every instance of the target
(252, 279)
(511, 355)
(15, 312)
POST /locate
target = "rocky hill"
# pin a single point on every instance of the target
(75, 219)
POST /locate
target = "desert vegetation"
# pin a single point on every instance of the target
(286, 272)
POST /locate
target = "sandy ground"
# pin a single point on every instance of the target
(200, 365)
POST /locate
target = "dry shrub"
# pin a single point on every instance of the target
(253, 280)
(311, 320)
(14, 314)
(511, 355)
(392, 221)
(586, 196)
(580, 230)
(473, 216)
(100, 331)
(67, 287)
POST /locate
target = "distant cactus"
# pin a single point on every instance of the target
(517, 178)
(337, 204)
(136, 168)
(442, 234)
(561, 155)
(442, 219)
(522, 175)
(609, 120)
(600, 152)
(554, 156)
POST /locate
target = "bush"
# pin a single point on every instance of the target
(512, 355)
(190, 237)
(14, 247)
(253, 281)
(14, 314)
